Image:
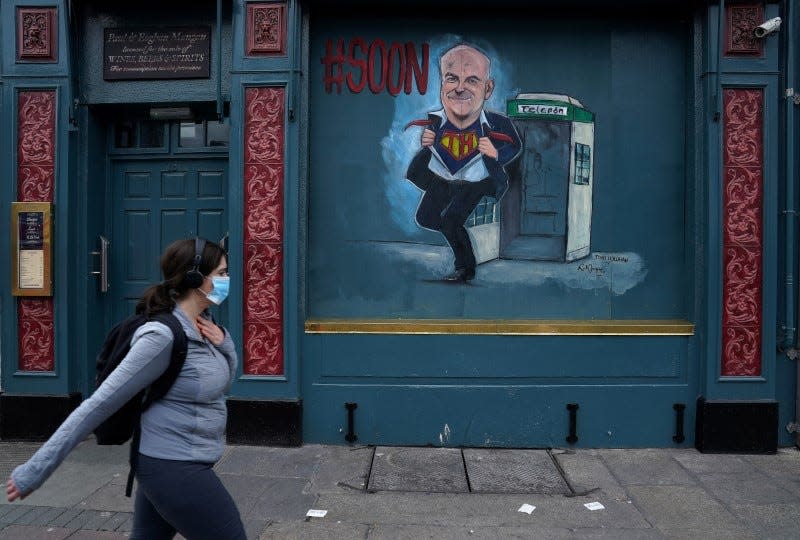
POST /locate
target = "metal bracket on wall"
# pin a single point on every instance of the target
(680, 408)
(572, 438)
(351, 436)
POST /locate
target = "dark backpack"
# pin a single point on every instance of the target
(124, 424)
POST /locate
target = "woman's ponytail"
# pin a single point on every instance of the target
(156, 299)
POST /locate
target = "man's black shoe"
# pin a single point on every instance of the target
(461, 274)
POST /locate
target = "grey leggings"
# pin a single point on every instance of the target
(185, 497)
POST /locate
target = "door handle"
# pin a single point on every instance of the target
(223, 242)
(102, 273)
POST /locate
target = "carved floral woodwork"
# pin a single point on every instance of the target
(37, 34)
(263, 230)
(36, 330)
(742, 231)
(266, 29)
(740, 21)
(36, 138)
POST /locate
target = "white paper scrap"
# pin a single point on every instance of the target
(594, 506)
(316, 513)
(527, 508)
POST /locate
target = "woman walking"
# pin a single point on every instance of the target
(182, 434)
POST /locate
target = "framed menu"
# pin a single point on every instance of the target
(31, 248)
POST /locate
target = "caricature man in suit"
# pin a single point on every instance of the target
(465, 150)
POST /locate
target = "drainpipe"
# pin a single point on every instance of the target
(718, 81)
(296, 25)
(790, 215)
(220, 110)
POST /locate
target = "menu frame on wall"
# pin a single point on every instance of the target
(31, 248)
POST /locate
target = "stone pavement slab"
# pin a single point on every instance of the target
(634, 466)
(697, 463)
(681, 507)
(745, 488)
(586, 473)
(313, 530)
(17, 532)
(341, 469)
(270, 461)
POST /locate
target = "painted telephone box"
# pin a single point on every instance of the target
(547, 212)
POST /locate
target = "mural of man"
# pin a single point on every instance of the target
(464, 153)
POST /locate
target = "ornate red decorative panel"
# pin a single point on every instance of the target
(266, 29)
(36, 330)
(263, 230)
(37, 34)
(742, 231)
(36, 157)
(740, 21)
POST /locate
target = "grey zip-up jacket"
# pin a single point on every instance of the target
(187, 424)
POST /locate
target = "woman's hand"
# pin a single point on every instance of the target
(210, 331)
(12, 492)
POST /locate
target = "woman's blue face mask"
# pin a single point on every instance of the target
(220, 291)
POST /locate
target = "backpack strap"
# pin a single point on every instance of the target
(159, 388)
(180, 343)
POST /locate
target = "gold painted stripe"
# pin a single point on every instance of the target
(529, 327)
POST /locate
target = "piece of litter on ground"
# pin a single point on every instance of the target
(527, 508)
(594, 506)
(316, 513)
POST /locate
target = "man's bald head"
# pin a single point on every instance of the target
(466, 84)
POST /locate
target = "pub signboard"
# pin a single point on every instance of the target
(156, 53)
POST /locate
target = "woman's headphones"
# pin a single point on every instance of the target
(194, 278)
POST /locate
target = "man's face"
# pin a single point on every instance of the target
(465, 85)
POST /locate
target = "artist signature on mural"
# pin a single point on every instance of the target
(591, 269)
(599, 267)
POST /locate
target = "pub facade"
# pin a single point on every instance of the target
(528, 224)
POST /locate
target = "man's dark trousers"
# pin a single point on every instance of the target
(446, 206)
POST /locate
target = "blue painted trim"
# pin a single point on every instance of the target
(245, 64)
(789, 217)
(8, 318)
(762, 73)
(713, 205)
(254, 72)
(742, 380)
(285, 386)
(263, 378)
(767, 63)
(20, 76)
(56, 382)
(8, 22)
